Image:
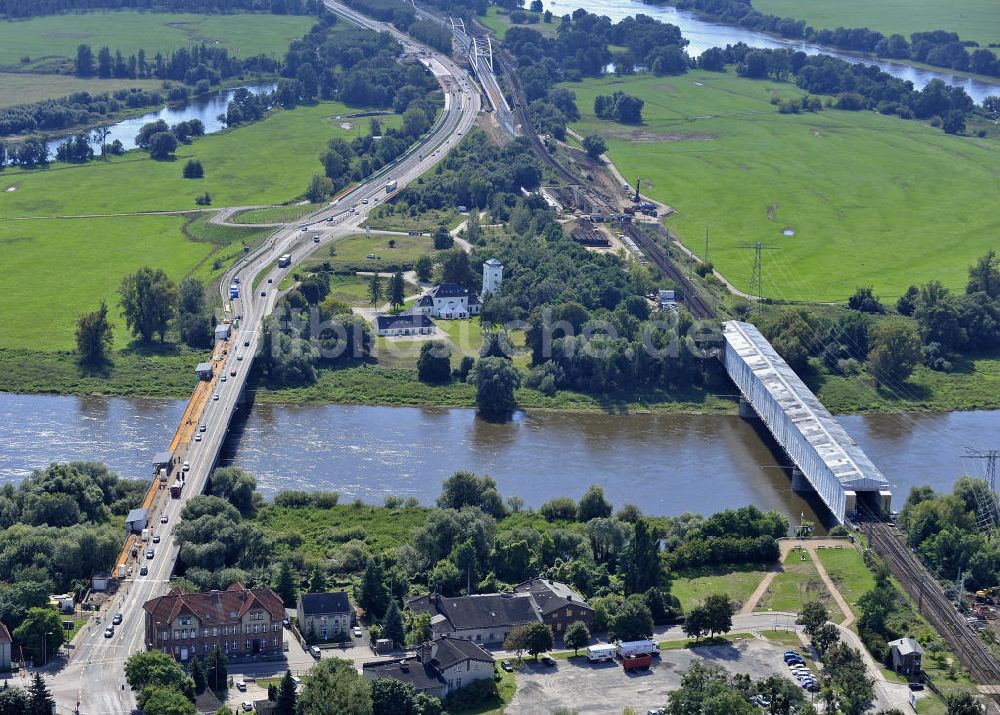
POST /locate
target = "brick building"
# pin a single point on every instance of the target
(245, 623)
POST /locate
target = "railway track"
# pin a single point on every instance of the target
(934, 604)
(692, 299)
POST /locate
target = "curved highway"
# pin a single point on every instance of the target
(95, 674)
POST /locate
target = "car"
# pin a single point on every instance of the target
(506, 665)
(202, 428)
(150, 554)
(357, 631)
(109, 631)
(793, 658)
(143, 570)
(799, 669)
(548, 660)
(223, 378)
(329, 219)
(315, 652)
(239, 357)
(915, 687)
(364, 201)
(791, 652)
(164, 518)
(232, 373)
(241, 686)
(197, 438)
(156, 538)
(247, 706)
(285, 622)
(263, 293)
(371, 256)
(270, 280)
(315, 239)
(187, 466)
(305, 228)
(117, 619)
(215, 397)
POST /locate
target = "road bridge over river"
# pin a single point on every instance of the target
(94, 675)
(827, 460)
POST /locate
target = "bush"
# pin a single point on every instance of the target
(559, 509)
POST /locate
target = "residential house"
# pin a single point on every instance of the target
(481, 618)
(246, 624)
(5, 646)
(558, 604)
(325, 616)
(439, 667)
(448, 301)
(403, 324)
(906, 655)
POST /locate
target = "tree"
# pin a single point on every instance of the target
(41, 627)
(334, 687)
(443, 238)
(191, 296)
(217, 670)
(516, 640)
(164, 701)
(392, 697)
(538, 639)
(632, 621)
(434, 363)
(286, 585)
(287, 695)
(162, 145)
(198, 675)
(373, 596)
(320, 187)
(148, 300)
(154, 669)
(455, 268)
(695, 624)
(719, 610)
(84, 61)
(374, 289)
(392, 626)
(576, 636)
(594, 145)
(953, 122)
(864, 300)
(193, 169)
(424, 268)
(641, 567)
(496, 381)
(895, 351)
(317, 581)
(984, 275)
(593, 505)
(13, 700)
(397, 290)
(962, 704)
(101, 135)
(94, 336)
(812, 615)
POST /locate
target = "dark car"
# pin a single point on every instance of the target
(143, 570)
(117, 619)
(915, 686)
(547, 660)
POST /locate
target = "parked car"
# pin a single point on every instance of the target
(506, 665)
(916, 687)
(247, 706)
(548, 660)
(357, 632)
(241, 686)
(315, 652)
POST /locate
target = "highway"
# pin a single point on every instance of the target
(95, 673)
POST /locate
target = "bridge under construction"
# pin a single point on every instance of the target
(826, 459)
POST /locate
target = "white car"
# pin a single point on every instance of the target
(241, 686)
(357, 631)
(197, 438)
(187, 466)
(215, 397)
(164, 518)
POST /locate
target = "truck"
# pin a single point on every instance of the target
(175, 489)
(121, 571)
(145, 534)
(637, 662)
(391, 185)
(600, 653)
(163, 475)
(234, 291)
(285, 260)
(629, 649)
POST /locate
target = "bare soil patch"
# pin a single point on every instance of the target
(648, 135)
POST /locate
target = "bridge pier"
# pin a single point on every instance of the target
(747, 411)
(799, 481)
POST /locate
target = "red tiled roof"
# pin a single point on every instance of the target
(215, 607)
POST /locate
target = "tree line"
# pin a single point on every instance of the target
(938, 47)
(72, 110)
(19, 9)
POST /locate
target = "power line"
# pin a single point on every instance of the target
(756, 278)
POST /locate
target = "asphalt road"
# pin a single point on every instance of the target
(94, 673)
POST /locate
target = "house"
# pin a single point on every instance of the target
(136, 521)
(492, 276)
(203, 370)
(906, 655)
(439, 667)
(403, 324)
(448, 301)
(325, 616)
(481, 618)
(5, 644)
(222, 332)
(246, 624)
(558, 604)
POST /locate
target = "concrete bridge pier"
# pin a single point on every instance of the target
(747, 411)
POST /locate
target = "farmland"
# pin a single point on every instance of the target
(858, 189)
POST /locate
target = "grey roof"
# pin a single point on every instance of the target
(841, 454)
(403, 320)
(451, 651)
(421, 676)
(906, 646)
(140, 514)
(425, 300)
(492, 262)
(488, 610)
(551, 595)
(203, 367)
(162, 458)
(332, 602)
(449, 290)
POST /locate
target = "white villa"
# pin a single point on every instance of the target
(448, 301)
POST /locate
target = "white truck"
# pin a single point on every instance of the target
(600, 653)
(391, 185)
(629, 649)
(145, 534)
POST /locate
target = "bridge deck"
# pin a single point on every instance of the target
(836, 467)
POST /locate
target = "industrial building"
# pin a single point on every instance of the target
(829, 460)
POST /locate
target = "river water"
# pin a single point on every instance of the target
(666, 464)
(703, 34)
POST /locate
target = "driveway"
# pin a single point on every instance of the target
(605, 688)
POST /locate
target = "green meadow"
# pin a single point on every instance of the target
(23, 88)
(53, 39)
(972, 19)
(872, 200)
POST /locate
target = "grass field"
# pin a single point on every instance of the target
(275, 214)
(425, 221)
(496, 19)
(860, 190)
(848, 571)
(798, 582)
(738, 582)
(354, 251)
(972, 19)
(264, 163)
(18, 88)
(53, 39)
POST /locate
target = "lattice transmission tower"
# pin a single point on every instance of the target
(756, 291)
(987, 512)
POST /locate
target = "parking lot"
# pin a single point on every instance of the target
(605, 687)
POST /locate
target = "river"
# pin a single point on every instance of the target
(703, 34)
(666, 464)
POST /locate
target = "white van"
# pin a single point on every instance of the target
(600, 653)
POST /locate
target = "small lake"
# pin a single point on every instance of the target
(666, 464)
(703, 34)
